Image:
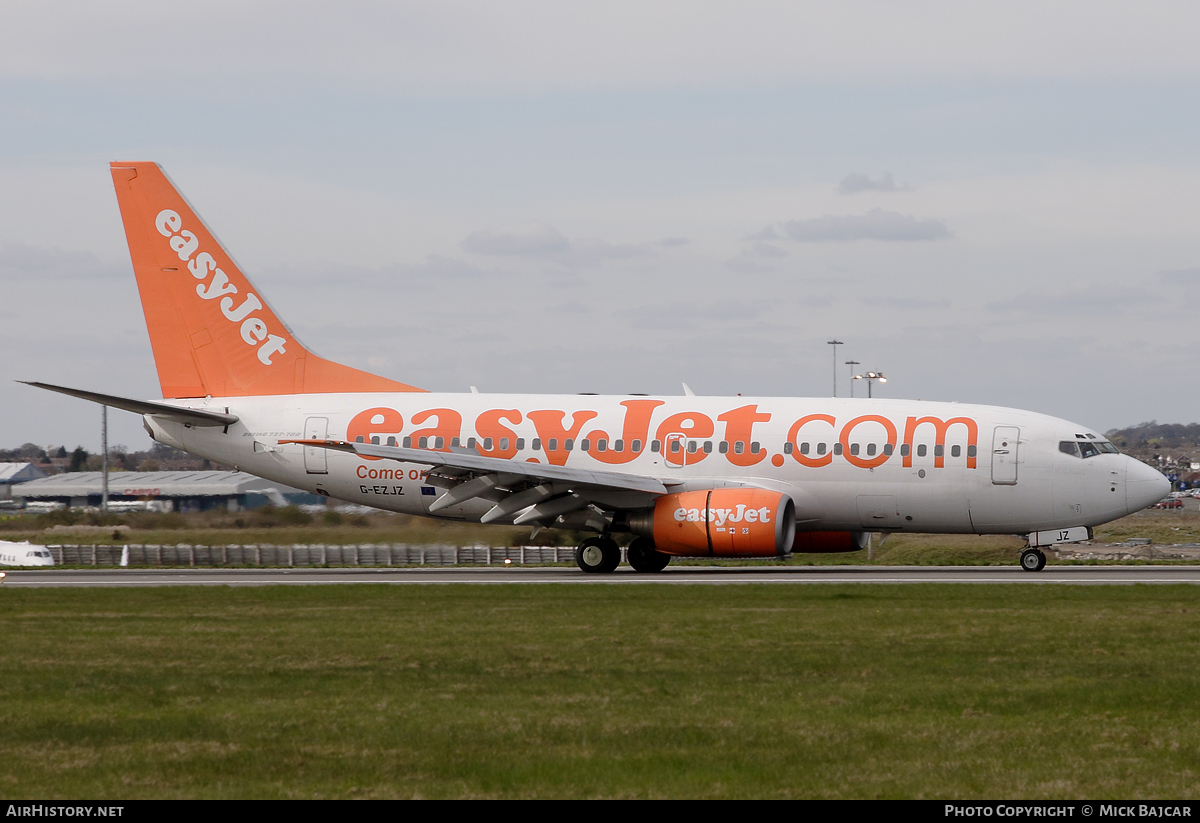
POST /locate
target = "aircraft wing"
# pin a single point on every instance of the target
(524, 492)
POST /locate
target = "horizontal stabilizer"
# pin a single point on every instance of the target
(196, 417)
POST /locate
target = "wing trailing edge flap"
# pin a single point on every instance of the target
(530, 492)
(194, 417)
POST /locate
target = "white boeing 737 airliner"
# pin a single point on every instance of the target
(688, 476)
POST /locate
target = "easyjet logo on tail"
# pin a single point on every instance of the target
(253, 329)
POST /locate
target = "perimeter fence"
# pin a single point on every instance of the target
(305, 554)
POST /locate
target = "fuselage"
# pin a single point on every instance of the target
(848, 464)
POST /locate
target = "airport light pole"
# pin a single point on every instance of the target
(871, 377)
(852, 364)
(104, 458)
(835, 343)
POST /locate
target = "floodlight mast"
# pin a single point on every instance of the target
(870, 377)
(835, 343)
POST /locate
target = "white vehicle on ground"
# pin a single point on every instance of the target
(24, 554)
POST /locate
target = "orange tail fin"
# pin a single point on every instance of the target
(211, 330)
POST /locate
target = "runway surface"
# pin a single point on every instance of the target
(706, 575)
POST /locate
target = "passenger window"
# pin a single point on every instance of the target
(391, 441)
(854, 448)
(955, 451)
(921, 450)
(471, 442)
(503, 444)
(569, 444)
(692, 446)
(636, 446)
(754, 448)
(887, 449)
(618, 445)
(601, 445)
(905, 450)
(820, 448)
(674, 447)
(654, 446)
(487, 444)
(787, 447)
(837, 448)
(804, 448)
(939, 450)
(375, 440)
(407, 442)
(871, 449)
(537, 444)
(423, 443)
(552, 445)
(723, 448)
(455, 443)
(971, 451)
(708, 447)
(439, 442)
(585, 444)
(739, 447)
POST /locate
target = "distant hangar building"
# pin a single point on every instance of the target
(185, 491)
(13, 473)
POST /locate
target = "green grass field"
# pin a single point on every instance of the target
(922, 691)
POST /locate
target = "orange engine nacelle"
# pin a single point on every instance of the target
(817, 542)
(721, 523)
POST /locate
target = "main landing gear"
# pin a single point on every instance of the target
(642, 555)
(598, 555)
(1033, 560)
(601, 555)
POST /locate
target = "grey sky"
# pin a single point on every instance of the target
(548, 197)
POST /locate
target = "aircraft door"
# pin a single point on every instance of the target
(315, 428)
(1004, 455)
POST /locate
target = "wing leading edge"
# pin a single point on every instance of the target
(526, 492)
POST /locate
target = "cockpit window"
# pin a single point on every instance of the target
(1086, 448)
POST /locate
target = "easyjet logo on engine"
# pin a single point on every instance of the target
(253, 329)
(722, 516)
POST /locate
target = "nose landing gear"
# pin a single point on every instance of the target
(1033, 560)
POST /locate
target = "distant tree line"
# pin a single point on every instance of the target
(1157, 435)
(157, 458)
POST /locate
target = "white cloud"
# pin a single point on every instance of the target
(877, 224)
(534, 239)
(544, 242)
(854, 183)
(1181, 277)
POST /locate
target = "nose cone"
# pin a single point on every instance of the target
(1144, 486)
